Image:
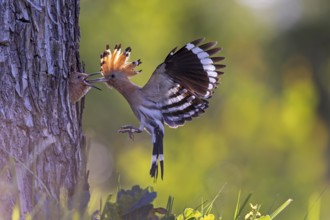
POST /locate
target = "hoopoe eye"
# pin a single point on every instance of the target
(112, 76)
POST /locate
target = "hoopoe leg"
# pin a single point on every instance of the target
(130, 130)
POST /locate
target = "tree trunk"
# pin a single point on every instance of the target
(42, 147)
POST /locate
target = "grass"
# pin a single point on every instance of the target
(136, 203)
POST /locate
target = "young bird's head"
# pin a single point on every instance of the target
(79, 86)
(115, 67)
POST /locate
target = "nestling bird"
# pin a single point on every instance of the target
(177, 91)
(79, 86)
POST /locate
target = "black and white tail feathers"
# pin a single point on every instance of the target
(157, 153)
(194, 71)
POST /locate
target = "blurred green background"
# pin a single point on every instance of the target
(267, 128)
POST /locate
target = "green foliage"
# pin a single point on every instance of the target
(254, 214)
(137, 203)
(314, 207)
(280, 209)
(239, 209)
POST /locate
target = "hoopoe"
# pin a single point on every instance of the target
(177, 91)
(78, 85)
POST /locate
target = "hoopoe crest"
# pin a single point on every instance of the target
(118, 61)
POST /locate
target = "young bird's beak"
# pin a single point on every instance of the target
(102, 79)
(89, 82)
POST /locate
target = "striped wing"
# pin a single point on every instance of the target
(187, 78)
(181, 105)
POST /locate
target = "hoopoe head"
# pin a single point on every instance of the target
(115, 66)
(79, 85)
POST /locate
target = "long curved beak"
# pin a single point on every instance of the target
(94, 74)
(102, 79)
(89, 82)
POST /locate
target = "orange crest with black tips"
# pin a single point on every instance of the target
(118, 61)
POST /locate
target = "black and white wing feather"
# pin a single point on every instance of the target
(193, 72)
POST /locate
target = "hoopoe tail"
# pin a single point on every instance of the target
(157, 154)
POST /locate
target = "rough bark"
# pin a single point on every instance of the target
(42, 147)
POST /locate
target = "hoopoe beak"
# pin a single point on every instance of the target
(102, 79)
(89, 82)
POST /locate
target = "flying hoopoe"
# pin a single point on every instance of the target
(177, 91)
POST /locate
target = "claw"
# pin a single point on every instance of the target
(131, 136)
(130, 130)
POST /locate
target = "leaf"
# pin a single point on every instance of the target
(208, 210)
(189, 214)
(134, 199)
(15, 213)
(243, 206)
(280, 209)
(208, 217)
(314, 207)
(236, 214)
(266, 217)
(169, 205)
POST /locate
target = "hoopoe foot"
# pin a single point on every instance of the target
(130, 130)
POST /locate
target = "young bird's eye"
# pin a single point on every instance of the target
(112, 76)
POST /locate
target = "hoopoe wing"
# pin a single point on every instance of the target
(185, 80)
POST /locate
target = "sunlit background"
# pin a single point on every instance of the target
(267, 128)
